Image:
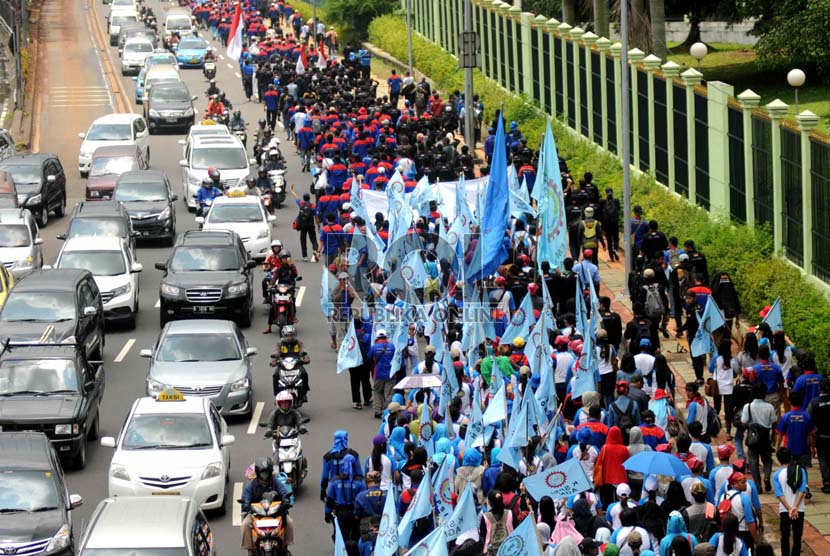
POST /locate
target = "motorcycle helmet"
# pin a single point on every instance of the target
(261, 122)
(250, 181)
(214, 174)
(284, 401)
(264, 469)
(263, 170)
(273, 152)
(288, 331)
(237, 114)
(276, 243)
(207, 182)
(212, 82)
(285, 254)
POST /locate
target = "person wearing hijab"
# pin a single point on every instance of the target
(611, 549)
(544, 534)
(588, 399)
(676, 527)
(443, 449)
(471, 472)
(635, 446)
(380, 462)
(564, 532)
(660, 406)
(608, 469)
(396, 446)
(585, 521)
(333, 458)
(491, 473)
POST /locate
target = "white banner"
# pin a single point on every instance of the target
(376, 200)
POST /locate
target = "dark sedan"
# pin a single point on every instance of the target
(149, 199)
(169, 104)
(40, 182)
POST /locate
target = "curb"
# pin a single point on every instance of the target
(23, 118)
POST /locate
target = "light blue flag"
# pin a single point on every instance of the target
(387, 539)
(511, 457)
(496, 411)
(523, 540)
(538, 343)
(547, 190)
(327, 285)
(585, 377)
(359, 207)
(464, 517)
(475, 428)
(581, 310)
(556, 428)
(413, 270)
(398, 340)
(709, 321)
(519, 204)
(421, 196)
(521, 322)
(445, 250)
(420, 506)
(562, 481)
(443, 488)
(519, 430)
(546, 392)
(434, 544)
(339, 543)
(773, 317)
(463, 214)
(349, 355)
(490, 249)
(426, 430)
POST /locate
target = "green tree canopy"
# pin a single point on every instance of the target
(352, 17)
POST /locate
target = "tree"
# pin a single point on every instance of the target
(700, 10)
(569, 12)
(353, 16)
(657, 11)
(601, 26)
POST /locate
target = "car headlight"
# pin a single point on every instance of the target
(119, 472)
(154, 113)
(213, 470)
(85, 154)
(172, 291)
(164, 215)
(94, 193)
(34, 200)
(262, 234)
(24, 263)
(61, 540)
(188, 112)
(242, 287)
(67, 428)
(239, 385)
(154, 385)
(121, 290)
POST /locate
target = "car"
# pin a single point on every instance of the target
(7, 144)
(169, 105)
(148, 198)
(107, 164)
(154, 60)
(208, 275)
(135, 51)
(21, 249)
(122, 5)
(181, 438)
(156, 526)
(227, 154)
(136, 31)
(101, 219)
(244, 215)
(159, 74)
(178, 21)
(206, 127)
(54, 389)
(8, 191)
(114, 269)
(113, 129)
(190, 52)
(35, 513)
(117, 18)
(203, 358)
(40, 181)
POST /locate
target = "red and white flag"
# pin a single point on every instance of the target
(302, 62)
(321, 57)
(235, 37)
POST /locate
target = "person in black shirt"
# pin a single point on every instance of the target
(611, 322)
(609, 217)
(697, 261)
(654, 242)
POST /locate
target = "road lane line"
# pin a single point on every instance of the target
(158, 303)
(237, 509)
(236, 73)
(221, 57)
(124, 351)
(300, 294)
(229, 65)
(257, 415)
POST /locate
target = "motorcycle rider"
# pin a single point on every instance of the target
(340, 498)
(271, 264)
(263, 181)
(206, 194)
(265, 481)
(286, 273)
(260, 131)
(284, 415)
(275, 160)
(224, 100)
(290, 346)
(216, 177)
(212, 89)
(237, 122)
(215, 107)
(251, 188)
(209, 55)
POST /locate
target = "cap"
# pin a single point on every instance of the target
(560, 340)
(588, 253)
(394, 407)
(650, 483)
(725, 451)
(381, 333)
(660, 394)
(518, 342)
(623, 490)
(739, 464)
(622, 385)
(735, 477)
(664, 448)
(645, 342)
(429, 349)
(694, 464)
(524, 370)
(378, 440)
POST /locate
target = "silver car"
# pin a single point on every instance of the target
(20, 242)
(208, 358)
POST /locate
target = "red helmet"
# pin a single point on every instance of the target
(500, 282)
(533, 288)
(213, 173)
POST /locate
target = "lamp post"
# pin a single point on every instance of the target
(409, 37)
(698, 51)
(796, 79)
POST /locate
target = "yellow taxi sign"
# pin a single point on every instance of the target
(170, 395)
(236, 193)
(208, 121)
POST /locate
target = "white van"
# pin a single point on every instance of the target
(178, 22)
(117, 18)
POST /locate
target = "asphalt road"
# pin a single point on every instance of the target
(79, 79)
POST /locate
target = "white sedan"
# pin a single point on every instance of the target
(244, 215)
(172, 445)
(113, 129)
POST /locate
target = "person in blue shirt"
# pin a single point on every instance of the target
(791, 501)
(380, 358)
(332, 459)
(491, 473)
(771, 375)
(740, 507)
(727, 541)
(489, 145)
(341, 497)
(701, 449)
(797, 428)
(206, 194)
(395, 83)
(808, 384)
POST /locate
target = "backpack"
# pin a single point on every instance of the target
(625, 419)
(316, 126)
(653, 306)
(713, 424)
(643, 331)
(795, 474)
(610, 212)
(432, 286)
(589, 235)
(306, 217)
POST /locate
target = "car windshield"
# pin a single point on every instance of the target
(140, 46)
(37, 376)
(117, 3)
(38, 307)
(178, 23)
(119, 20)
(192, 43)
(168, 94)
(109, 132)
(223, 158)
(96, 227)
(209, 130)
(102, 166)
(99, 263)
(134, 552)
(23, 173)
(149, 82)
(14, 235)
(177, 430)
(235, 213)
(205, 259)
(181, 348)
(27, 491)
(129, 191)
(159, 59)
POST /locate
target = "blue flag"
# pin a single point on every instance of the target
(443, 488)
(475, 428)
(420, 506)
(773, 316)
(463, 214)
(339, 543)
(709, 321)
(562, 481)
(434, 544)
(464, 517)
(426, 430)
(496, 411)
(521, 322)
(519, 201)
(349, 355)
(325, 293)
(547, 190)
(523, 540)
(546, 392)
(398, 339)
(387, 539)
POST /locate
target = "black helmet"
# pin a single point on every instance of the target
(213, 173)
(262, 170)
(262, 122)
(237, 114)
(264, 469)
(251, 181)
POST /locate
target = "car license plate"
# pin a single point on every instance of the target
(194, 60)
(203, 309)
(171, 120)
(145, 233)
(168, 493)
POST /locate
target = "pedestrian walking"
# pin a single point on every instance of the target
(790, 485)
(759, 419)
(380, 356)
(306, 224)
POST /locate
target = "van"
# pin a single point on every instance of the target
(178, 21)
(117, 19)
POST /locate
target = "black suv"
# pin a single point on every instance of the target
(101, 218)
(34, 512)
(208, 274)
(53, 389)
(40, 182)
(57, 305)
(148, 198)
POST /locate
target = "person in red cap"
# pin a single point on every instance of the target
(736, 502)
(720, 473)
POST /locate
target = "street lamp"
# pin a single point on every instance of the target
(796, 79)
(698, 51)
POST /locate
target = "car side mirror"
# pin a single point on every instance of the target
(38, 241)
(251, 351)
(181, 142)
(250, 264)
(82, 135)
(183, 163)
(193, 98)
(272, 218)
(75, 501)
(147, 353)
(161, 266)
(137, 267)
(174, 198)
(61, 237)
(51, 179)
(90, 311)
(200, 219)
(228, 439)
(298, 279)
(253, 161)
(108, 442)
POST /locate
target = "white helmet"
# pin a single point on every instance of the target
(276, 243)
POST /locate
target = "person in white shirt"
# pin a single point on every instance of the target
(790, 501)
(630, 536)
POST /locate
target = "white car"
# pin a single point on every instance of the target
(172, 445)
(226, 154)
(135, 53)
(113, 268)
(117, 18)
(244, 215)
(200, 130)
(113, 129)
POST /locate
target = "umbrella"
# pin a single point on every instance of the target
(656, 463)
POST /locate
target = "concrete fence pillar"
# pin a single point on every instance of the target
(589, 39)
(527, 55)
(553, 26)
(670, 70)
(616, 53)
(717, 110)
(540, 24)
(514, 18)
(691, 77)
(749, 99)
(564, 31)
(603, 44)
(777, 110)
(652, 64)
(635, 56)
(807, 121)
(576, 34)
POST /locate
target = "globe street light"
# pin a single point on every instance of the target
(796, 79)
(698, 51)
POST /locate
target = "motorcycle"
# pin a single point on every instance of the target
(287, 377)
(268, 532)
(268, 200)
(282, 300)
(219, 119)
(241, 134)
(278, 179)
(204, 208)
(288, 453)
(209, 69)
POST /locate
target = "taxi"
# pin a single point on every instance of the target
(6, 283)
(172, 445)
(245, 215)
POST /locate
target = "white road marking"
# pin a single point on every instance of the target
(229, 65)
(279, 123)
(158, 303)
(124, 351)
(256, 417)
(237, 509)
(236, 73)
(300, 294)
(221, 57)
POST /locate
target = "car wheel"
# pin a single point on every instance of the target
(79, 461)
(245, 320)
(162, 317)
(61, 210)
(131, 320)
(152, 132)
(95, 429)
(43, 219)
(83, 174)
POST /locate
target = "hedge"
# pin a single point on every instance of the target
(746, 254)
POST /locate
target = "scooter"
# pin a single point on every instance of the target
(278, 179)
(288, 453)
(241, 134)
(209, 69)
(269, 517)
(287, 377)
(204, 208)
(282, 300)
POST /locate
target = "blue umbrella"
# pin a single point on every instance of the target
(656, 463)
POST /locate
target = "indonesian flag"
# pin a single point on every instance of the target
(302, 62)
(235, 37)
(321, 57)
